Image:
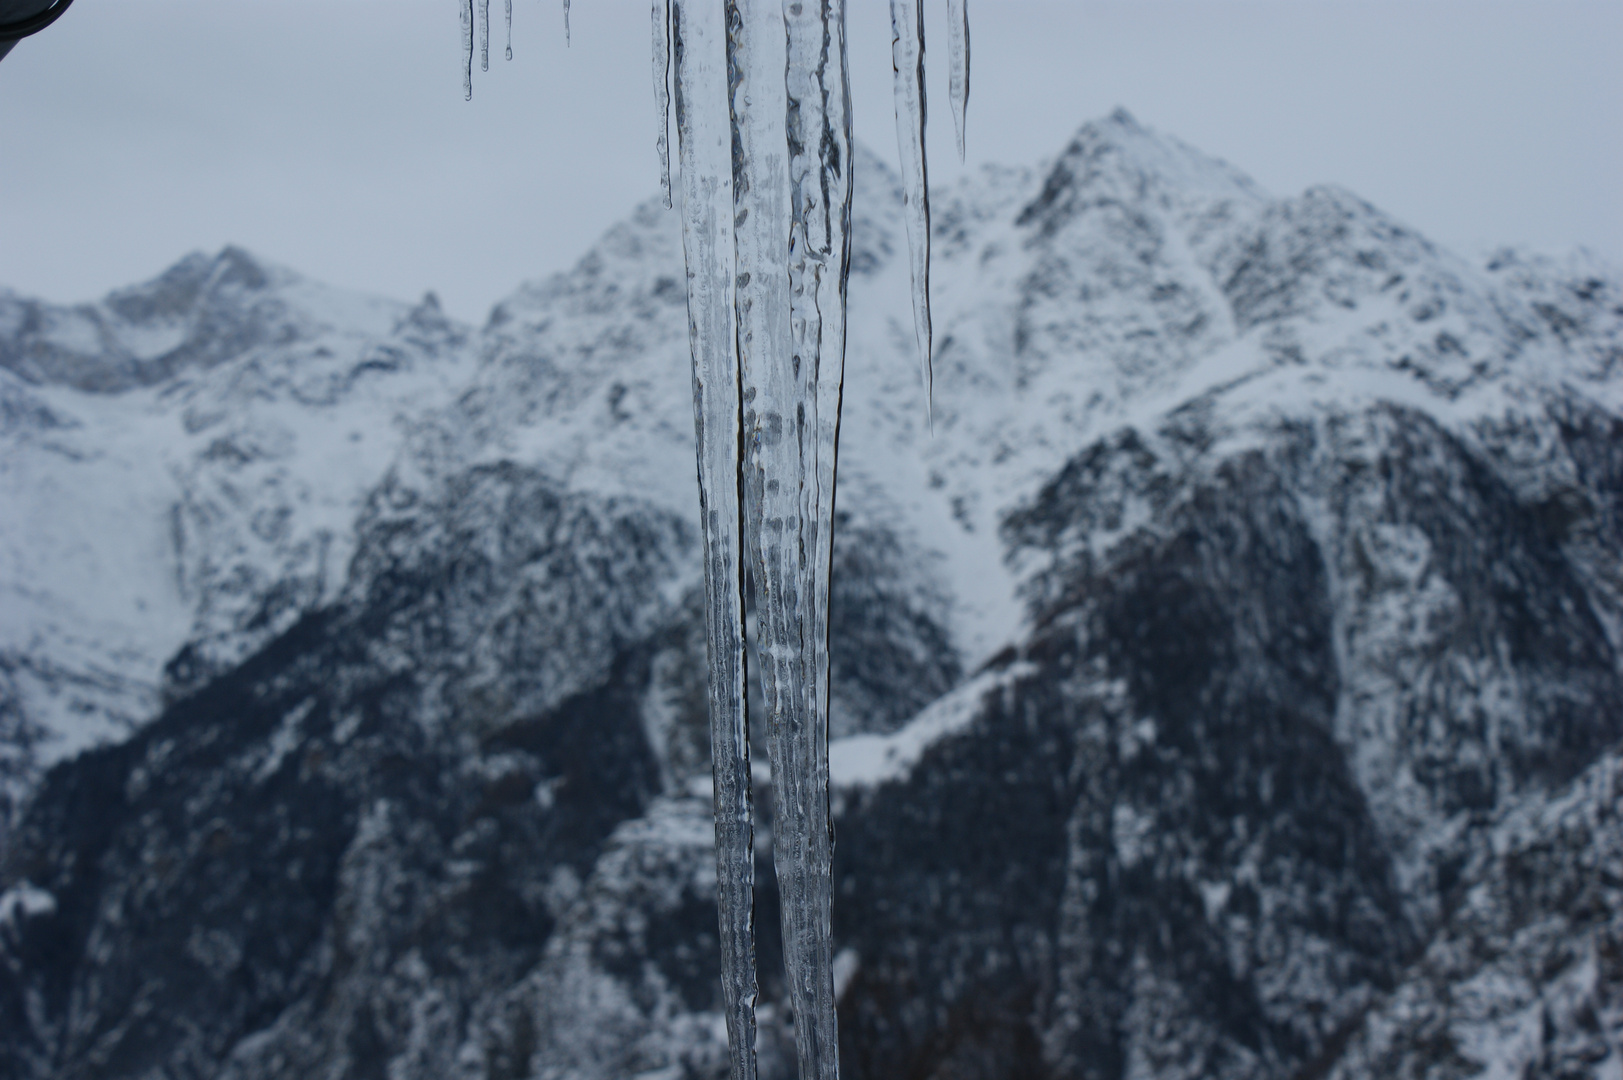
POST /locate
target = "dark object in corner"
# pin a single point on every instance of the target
(23, 18)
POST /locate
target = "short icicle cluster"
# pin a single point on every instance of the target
(476, 14)
(765, 156)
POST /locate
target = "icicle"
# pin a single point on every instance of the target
(774, 388)
(566, 22)
(705, 146)
(465, 11)
(907, 57)
(819, 142)
(958, 77)
(509, 29)
(484, 35)
(662, 92)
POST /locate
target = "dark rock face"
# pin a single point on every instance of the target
(1202, 885)
(1535, 944)
(1302, 762)
(890, 653)
(348, 822)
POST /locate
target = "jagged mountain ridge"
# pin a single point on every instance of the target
(184, 463)
(1285, 544)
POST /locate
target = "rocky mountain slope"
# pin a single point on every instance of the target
(1229, 687)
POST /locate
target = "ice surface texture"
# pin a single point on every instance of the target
(705, 147)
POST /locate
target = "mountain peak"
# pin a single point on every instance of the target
(202, 310)
(178, 291)
(1116, 159)
(1123, 118)
(236, 266)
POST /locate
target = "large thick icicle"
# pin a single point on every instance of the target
(661, 16)
(958, 63)
(818, 113)
(907, 57)
(705, 147)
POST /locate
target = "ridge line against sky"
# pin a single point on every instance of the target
(334, 139)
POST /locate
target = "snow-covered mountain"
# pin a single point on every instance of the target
(182, 467)
(1230, 686)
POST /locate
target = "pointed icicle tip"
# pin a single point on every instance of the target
(661, 15)
(907, 59)
(465, 12)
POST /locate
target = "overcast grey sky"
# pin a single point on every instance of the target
(331, 135)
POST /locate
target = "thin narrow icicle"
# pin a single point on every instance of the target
(566, 22)
(509, 29)
(958, 77)
(484, 35)
(662, 93)
(820, 185)
(705, 146)
(907, 56)
(465, 12)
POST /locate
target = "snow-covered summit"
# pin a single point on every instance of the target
(201, 312)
